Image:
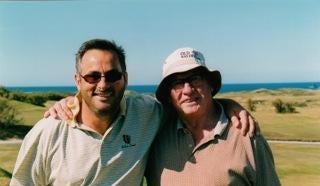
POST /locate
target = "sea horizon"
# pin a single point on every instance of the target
(227, 87)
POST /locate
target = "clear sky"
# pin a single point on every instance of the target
(249, 41)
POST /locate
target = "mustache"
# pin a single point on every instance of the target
(103, 92)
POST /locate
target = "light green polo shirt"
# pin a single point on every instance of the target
(55, 153)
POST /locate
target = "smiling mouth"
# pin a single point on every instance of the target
(104, 95)
(189, 100)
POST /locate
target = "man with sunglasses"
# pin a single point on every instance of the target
(107, 140)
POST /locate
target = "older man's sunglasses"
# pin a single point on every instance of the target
(110, 76)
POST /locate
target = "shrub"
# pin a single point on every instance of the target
(18, 96)
(282, 107)
(4, 173)
(252, 105)
(4, 92)
(8, 114)
(35, 99)
(55, 96)
(290, 108)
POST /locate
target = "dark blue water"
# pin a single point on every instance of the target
(152, 88)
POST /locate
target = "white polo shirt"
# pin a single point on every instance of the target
(55, 153)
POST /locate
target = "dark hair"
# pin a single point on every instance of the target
(101, 44)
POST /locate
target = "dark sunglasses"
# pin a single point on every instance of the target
(110, 76)
(194, 80)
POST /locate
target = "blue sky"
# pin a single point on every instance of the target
(248, 41)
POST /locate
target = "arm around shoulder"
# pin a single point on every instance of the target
(265, 167)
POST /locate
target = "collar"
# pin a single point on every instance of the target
(222, 122)
(123, 106)
(218, 129)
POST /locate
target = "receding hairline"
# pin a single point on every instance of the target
(104, 45)
(114, 54)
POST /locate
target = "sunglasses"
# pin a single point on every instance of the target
(110, 76)
(194, 80)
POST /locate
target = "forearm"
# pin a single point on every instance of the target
(230, 104)
(265, 167)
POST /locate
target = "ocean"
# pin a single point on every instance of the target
(152, 88)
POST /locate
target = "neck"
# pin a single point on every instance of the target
(97, 122)
(202, 125)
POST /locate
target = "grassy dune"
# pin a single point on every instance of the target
(303, 125)
(28, 113)
(295, 164)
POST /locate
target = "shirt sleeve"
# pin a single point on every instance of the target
(29, 167)
(265, 169)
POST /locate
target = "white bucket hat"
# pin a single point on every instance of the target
(183, 60)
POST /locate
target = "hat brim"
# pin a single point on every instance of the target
(213, 76)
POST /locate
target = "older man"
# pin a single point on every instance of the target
(108, 139)
(199, 146)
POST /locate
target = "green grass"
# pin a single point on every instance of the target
(297, 164)
(29, 113)
(8, 157)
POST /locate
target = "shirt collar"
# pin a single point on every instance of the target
(123, 106)
(75, 108)
(222, 122)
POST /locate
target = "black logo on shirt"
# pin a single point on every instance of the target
(127, 141)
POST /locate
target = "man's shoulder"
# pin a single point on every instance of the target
(234, 134)
(143, 106)
(142, 100)
(47, 124)
(45, 128)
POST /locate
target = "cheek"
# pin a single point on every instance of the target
(85, 87)
(174, 98)
(205, 91)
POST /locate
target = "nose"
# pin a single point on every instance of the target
(187, 88)
(103, 84)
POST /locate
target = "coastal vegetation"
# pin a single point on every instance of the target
(8, 114)
(296, 164)
(282, 107)
(301, 125)
(252, 105)
(33, 98)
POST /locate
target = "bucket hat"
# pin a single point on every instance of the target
(184, 60)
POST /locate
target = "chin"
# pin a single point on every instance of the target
(190, 110)
(102, 106)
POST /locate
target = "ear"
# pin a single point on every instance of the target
(212, 91)
(168, 94)
(77, 80)
(125, 77)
